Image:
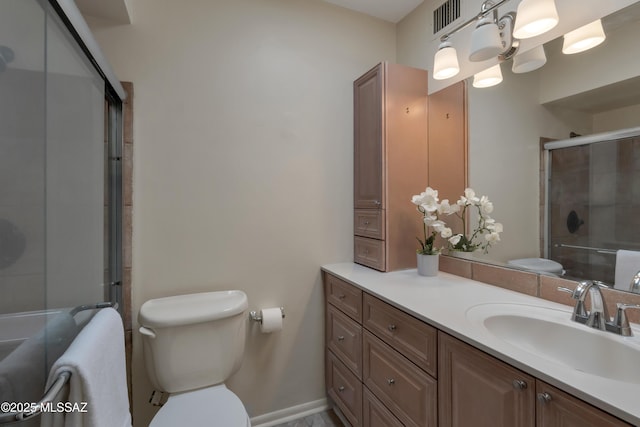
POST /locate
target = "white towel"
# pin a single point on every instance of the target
(96, 361)
(627, 265)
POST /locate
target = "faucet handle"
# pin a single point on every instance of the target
(620, 320)
(579, 311)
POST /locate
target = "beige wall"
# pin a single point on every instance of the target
(243, 167)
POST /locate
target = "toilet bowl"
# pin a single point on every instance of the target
(192, 343)
(211, 406)
(539, 265)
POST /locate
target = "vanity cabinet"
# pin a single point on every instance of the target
(390, 164)
(556, 408)
(391, 355)
(386, 368)
(476, 389)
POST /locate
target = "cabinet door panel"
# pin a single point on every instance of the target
(368, 131)
(558, 409)
(416, 340)
(406, 390)
(344, 338)
(369, 223)
(343, 295)
(344, 388)
(369, 252)
(375, 414)
(477, 390)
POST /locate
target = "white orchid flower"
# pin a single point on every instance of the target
(492, 237)
(455, 239)
(446, 232)
(486, 207)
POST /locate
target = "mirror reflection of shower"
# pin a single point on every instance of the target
(6, 56)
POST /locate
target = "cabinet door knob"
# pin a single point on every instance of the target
(392, 327)
(341, 388)
(366, 223)
(341, 338)
(377, 202)
(544, 397)
(519, 384)
(391, 381)
(341, 296)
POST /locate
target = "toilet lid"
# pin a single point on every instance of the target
(211, 406)
(537, 264)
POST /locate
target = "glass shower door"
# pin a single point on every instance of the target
(59, 194)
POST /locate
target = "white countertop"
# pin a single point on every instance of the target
(443, 301)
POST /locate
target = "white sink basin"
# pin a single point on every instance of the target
(551, 334)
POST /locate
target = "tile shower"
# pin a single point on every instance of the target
(594, 200)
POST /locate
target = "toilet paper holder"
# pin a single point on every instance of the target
(256, 317)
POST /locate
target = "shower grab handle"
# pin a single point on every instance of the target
(49, 396)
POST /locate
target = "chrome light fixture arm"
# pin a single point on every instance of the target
(487, 8)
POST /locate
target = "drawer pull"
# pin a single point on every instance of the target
(341, 338)
(544, 397)
(391, 381)
(341, 388)
(366, 223)
(377, 202)
(519, 384)
(342, 296)
(392, 327)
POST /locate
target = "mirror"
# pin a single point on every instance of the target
(586, 93)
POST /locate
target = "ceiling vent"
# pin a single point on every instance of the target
(445, 14)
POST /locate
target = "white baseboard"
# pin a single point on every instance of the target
(289, 414)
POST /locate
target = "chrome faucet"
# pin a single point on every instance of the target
(598, 317)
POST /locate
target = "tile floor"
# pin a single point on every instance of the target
(322, 419)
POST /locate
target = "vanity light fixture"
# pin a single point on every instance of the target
(535, 17)
(529, 60)
(487, 78)
(491, 38)
(584, 38)
(445, 63)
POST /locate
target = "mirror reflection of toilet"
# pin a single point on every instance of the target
(192, 344)
(538, 265)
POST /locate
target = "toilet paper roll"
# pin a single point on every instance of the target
(271, 320)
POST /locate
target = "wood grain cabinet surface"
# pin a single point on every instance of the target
(390, 161)
(382, 364)
(555, 408)
(476, 390)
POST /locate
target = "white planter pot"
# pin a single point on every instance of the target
(461, 254)
(428, 265)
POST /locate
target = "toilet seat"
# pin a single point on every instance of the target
(213, 406)
(540, 265)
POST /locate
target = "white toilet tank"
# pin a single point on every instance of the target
(193, 341)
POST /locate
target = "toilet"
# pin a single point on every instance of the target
(192, 343)
(539, 265)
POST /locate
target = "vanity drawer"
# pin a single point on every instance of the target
(375, 414)
(408, 392)
(369, 252)
(343, 295)
(345, 389)
(369, 223)
(344, 339)
(416, 340)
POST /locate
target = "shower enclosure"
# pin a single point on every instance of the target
(593, 201)
(60, 187)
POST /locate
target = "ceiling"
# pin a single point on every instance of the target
(114, 11)
(388, 10)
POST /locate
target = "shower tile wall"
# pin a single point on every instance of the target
(601, 184)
